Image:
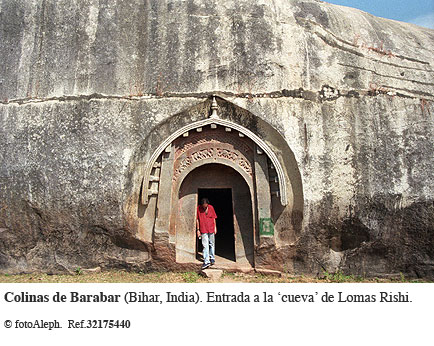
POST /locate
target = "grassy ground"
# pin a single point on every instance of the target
(169, 277)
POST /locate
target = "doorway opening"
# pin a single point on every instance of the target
(221, 200)
(231, 197)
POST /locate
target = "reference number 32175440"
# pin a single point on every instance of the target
(99, 324)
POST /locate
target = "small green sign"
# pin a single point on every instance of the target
(266, 226)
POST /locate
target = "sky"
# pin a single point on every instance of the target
(420, 12)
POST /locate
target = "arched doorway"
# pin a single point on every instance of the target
(231, 197)
(224, 135)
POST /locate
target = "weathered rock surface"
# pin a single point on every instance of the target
(67, 48)
(213, 274)
(269, 272)
(84, 84)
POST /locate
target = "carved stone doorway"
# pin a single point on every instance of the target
(221, 200)
(215, 176)
(231, 149)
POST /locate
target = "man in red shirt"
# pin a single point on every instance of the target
(207, 229)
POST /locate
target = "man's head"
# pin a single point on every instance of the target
(204, 202)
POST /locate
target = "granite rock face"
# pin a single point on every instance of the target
(83, 84)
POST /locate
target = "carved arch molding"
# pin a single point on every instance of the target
(213, 140)
(168, 215)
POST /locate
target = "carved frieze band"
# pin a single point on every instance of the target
(210, 151)
(216, 144)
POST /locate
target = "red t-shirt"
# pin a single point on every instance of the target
(206, 221)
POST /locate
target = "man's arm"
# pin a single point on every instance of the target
(197, 228)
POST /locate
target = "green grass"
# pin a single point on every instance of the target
(341, 277)
(116, 276)
(190, 277)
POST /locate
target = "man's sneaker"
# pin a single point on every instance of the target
(205, 265)
(212, 262)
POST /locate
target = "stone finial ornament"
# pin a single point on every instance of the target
(214, 108)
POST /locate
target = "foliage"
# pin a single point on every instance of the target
(190, 277)
(117, 276)
(341, 277)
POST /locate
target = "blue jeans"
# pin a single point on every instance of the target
(208, 241)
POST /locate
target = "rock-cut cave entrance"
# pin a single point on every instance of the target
(221, 200)
(230, 195)
(217, 156)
